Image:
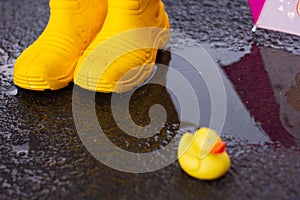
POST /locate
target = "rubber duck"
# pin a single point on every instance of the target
(203, 155)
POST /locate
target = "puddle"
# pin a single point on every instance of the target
(263, 90)
(266, 81)
(239, 121)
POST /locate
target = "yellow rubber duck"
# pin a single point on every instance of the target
(203, 155)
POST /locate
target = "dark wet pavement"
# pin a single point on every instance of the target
(43, 157)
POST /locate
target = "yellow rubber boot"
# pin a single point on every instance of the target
(50, 61)
(123, 54)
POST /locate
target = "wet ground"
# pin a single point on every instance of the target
(42, 155)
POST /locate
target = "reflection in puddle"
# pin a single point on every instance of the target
(283, 70)
(293, 94)
(265, 82)
(238, 122)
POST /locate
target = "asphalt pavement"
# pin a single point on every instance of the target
(43, 157)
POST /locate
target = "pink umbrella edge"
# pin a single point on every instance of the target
(256, 7)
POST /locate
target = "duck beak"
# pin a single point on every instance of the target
(219, 147)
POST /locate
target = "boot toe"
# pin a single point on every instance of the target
(43, 68)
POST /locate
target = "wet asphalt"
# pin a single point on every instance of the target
(42, 156)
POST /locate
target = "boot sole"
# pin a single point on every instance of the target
(42, 83)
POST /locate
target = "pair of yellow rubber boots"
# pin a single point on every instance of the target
(102, 45)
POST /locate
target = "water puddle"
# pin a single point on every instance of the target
(239, 121)
(267, 82)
